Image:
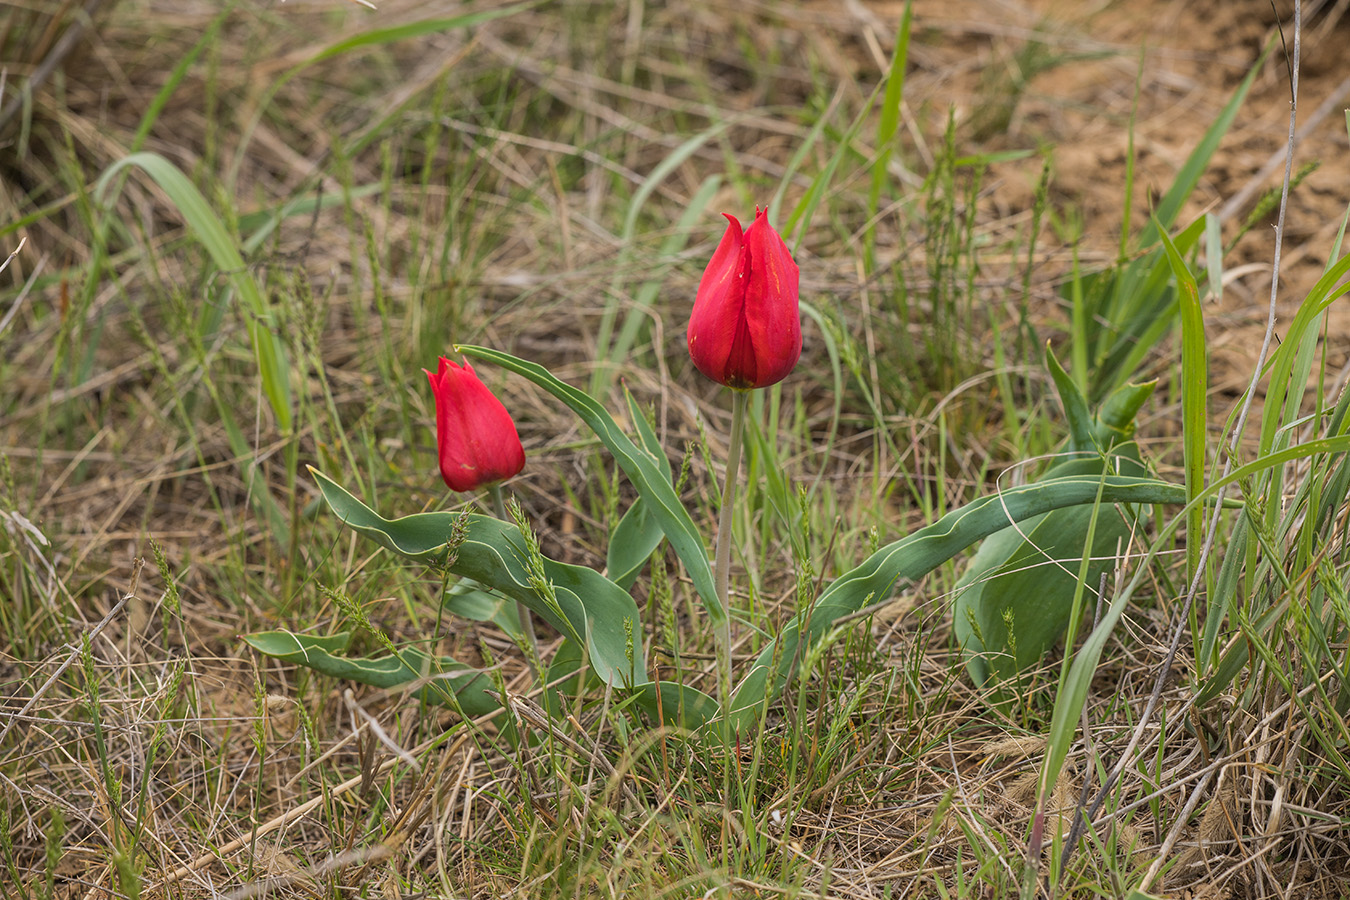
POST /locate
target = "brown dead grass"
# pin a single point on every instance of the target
(906, 806)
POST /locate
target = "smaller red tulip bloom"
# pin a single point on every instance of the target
(745, 331)
(476, 438)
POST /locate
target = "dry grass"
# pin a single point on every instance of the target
(472, 186)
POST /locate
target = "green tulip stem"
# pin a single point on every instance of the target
(522, 611)
(722, 555)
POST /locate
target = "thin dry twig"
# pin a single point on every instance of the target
(75, 652)
(304, 809)
(1239, 427)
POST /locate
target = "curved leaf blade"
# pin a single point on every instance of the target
(473, 690)
(643, 471)
(631, 544)
(273, 368)
(638, 534)
(914, 556)
(591, 608)
(677, 704)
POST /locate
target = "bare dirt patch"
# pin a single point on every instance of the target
(1194, 55)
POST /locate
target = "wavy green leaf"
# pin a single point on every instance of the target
(631, 544)
(590, 607)
(1016, 596)
(642, 470)
(1020, 592)
(470, 600)
(472, 690)
(912, 557)
(676, 704)
(638, 534)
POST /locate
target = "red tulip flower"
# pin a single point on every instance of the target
(745, 331)
(476, 439)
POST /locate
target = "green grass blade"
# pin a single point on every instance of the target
(612, 355)
(268, 348)
(422, 28)
(889, 121)
(1323, 294)
(638, 534)
(1213, 256)
(180, 70)
(1224, 598)
(374, 38)
(805, 209)
(1189, 175)
(1194, 389)
(804, 149)
(1138, 310)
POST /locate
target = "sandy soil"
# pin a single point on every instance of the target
(1195, 54)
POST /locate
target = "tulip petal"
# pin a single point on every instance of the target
(476, 439)
(771, 304)
(716, 315)
(745, 328)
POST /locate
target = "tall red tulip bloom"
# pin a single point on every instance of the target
(745, 331)
(476, 439)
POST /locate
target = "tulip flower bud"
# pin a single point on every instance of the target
(745, 331)
(476, 439)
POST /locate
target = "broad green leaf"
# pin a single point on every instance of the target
(638, 534)
(676, 704)
(644, 472)
(1022, 590)
(562, 674)
(1016, 596)
(469, 599)
(913, 557)
(631, 544)
(590, 608)
(647, 437)
(452, 684)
